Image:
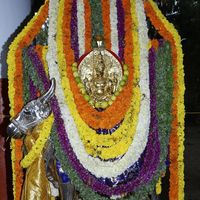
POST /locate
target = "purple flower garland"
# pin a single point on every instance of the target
(33, 89)
(74, 30)
(120, 28)
(152, 153)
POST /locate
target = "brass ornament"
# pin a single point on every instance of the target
(100, 73)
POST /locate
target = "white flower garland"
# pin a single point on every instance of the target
(81, 26)
(113, 24)
(96, 166)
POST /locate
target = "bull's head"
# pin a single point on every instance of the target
(32, 114)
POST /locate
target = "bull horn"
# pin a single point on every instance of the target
(50, 93)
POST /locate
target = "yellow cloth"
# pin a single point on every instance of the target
(36, 185)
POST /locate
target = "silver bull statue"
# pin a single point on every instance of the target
(32, 114)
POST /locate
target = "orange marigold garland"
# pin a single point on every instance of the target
(15, 88)
(108, 118)
(177, 134)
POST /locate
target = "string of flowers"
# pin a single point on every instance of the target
(96, 20)
(111, 116)
(15, 88)
(81, 26)
(26, 78)
(153, 74)
(120, 28)
(82, 157)
(88, 30)
(44, 131)
(147, 161)
(36, 62)
(159, 187)
(74, 30)
(168, 31)
(104, 143)
(113, 26)
(164, 91)
(91, 134)
(153, 86)
(35, 77)
(107, 118)
(143, 107)
(42, 52)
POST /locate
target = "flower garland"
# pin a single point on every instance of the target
(113, 25)
(165, 77)
(88, 30)
(74, 31)
(158, 187)
(16, 101)
(96, 20)
(37, 76)
(81, 26)
(91, 114)
(121, 28)
(112, 115)
(83, 175)
(25, 85)
(42, 52)
(44, 130)
(92, 136)
(60, 126)
(164, 89)
(36, 62)
(168, 31)
(85, 158)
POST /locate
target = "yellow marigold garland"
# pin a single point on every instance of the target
(121, 138)
(176, 43)
(44, 130)
(14, 72)
(44, 53)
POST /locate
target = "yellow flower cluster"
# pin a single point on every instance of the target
(180, 97)
(159, 186)
(44, 130)
(44, 54)
(103, 146)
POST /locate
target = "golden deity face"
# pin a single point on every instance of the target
(100, 72)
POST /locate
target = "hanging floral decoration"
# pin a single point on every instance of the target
(169, 33)
(121, 151)
(15, 90)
